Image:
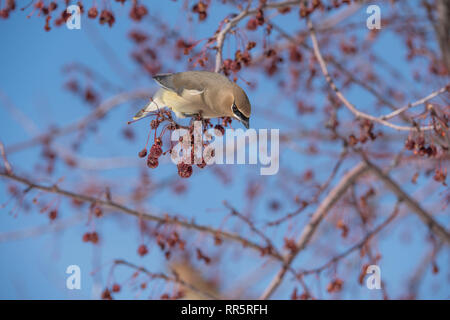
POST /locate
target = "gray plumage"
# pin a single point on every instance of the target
(204, 93)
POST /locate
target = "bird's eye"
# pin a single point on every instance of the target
(235, 109)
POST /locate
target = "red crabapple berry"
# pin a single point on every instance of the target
(106, 295)
(53, 214)
(52, 6)
(252, 24)
(155, 151)
(107, 16)
(142, 250)
(138, 12)
(202, 165)
(115, 288)
(184, 170)
(98, 212)
(152, 162)
(94, 237)
(86, 237)
(143, 153)
(93, 13)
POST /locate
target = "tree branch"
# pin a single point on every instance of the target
(220, 37)
(143, 215)
(174, 279)
(426, 217)
(99, 112)
(343, 99)
(333, 196)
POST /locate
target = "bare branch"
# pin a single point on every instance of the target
(343, 99)
(335, 194)
(99, 112)
(416, 103)
(165, 277)
(143, 215)
(8, 167)
(357, 246)
(220, 37)
(426, 217)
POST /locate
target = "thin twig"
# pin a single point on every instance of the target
(252, 227)
(7, 165)
(416, 103)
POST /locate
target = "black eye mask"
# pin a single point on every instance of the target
(239, 114)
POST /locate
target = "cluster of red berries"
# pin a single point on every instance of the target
(171, 240)
(274, 60)
(91, 237)
(177, 295)
(185, 46)
(295, 55)
(348, 48)
(107, 17)
(138, 36)
(306, 10)
(88, 94)
(138, 12)
(10, 6)
(440, 175)
(366, 133)
(50, 156)
(296, 296)
(335, 285)
(148, 59)
(343, 227)
(200, 8)
(419, 146)
(202, 256)
(153, 155)
(185, 169)
(106, 294)
(240, 57)
(290, 245)
(258, 20)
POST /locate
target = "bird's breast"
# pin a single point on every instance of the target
(189, 104)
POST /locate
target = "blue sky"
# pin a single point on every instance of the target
(31, 77)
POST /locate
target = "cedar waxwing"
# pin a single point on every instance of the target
(204, 93)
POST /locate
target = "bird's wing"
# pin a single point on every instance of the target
(183, 86)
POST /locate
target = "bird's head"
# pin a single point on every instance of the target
(241, 108)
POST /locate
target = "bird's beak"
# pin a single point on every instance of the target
(245, 122)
